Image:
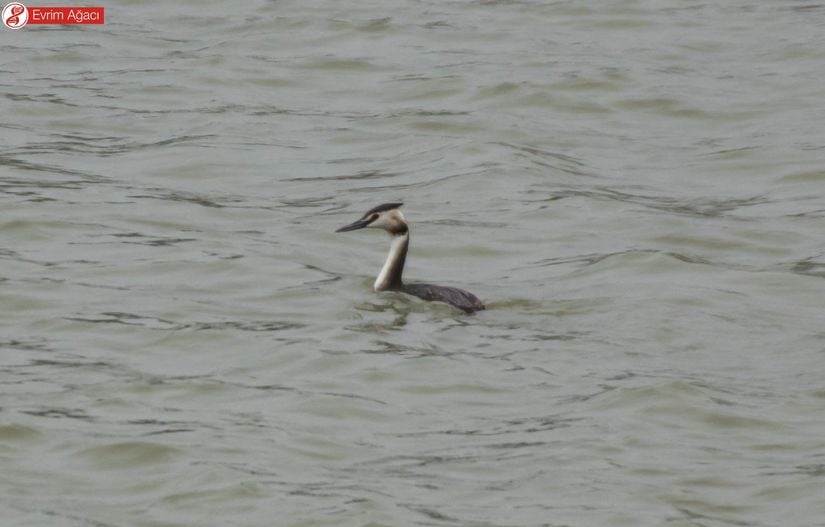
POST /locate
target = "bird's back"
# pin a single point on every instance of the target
(454, 296)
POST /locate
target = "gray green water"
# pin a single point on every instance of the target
(637, 189)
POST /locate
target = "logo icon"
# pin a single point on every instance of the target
(15, 15)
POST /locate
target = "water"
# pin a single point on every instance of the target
(637, 190)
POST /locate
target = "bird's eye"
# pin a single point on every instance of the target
(374, 217)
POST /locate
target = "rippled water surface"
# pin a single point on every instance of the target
(636, 189)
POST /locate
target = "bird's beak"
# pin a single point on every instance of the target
(360, 224)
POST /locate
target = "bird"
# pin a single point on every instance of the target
(387, 217)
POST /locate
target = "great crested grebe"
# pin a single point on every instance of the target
(389, 218)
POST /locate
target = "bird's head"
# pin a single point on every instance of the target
(385, 216)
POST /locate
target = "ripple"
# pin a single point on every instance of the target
(150, 322)
(18, 433)
(130, 454)
(809, 267)
(702, 207)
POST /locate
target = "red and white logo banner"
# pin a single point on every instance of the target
(16, 15)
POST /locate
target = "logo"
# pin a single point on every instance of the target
(15, 15)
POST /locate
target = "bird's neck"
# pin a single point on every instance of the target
(390, 276)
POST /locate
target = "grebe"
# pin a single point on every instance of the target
(389, 218)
